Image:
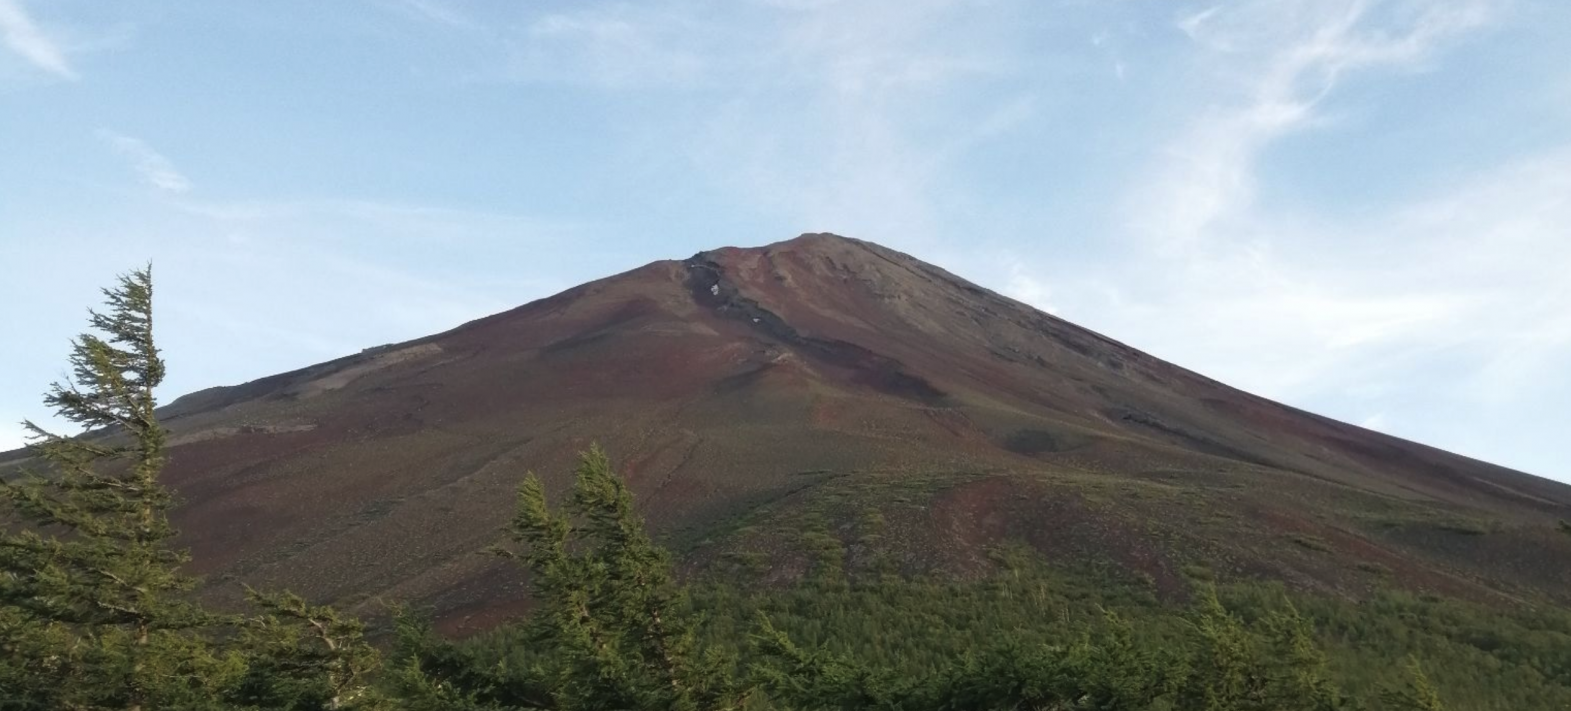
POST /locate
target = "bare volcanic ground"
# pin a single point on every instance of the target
(824, 399)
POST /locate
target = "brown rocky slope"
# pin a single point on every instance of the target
(745, 391)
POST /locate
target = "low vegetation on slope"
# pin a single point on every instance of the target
(1028, 636)
(95, 612)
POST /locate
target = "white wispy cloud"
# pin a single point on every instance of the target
(154, 169)
(1190, 24)
(881, 104)
(1295, 53)
(817, 96)
(1500, 238)
(407, 222)
(1454, 301)
(439, 12)
(619, 45)
(257, 287)
(607, 45)
(23, 36)
(1028, 288)
(1199, 209)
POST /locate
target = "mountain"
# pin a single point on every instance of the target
(767, 403)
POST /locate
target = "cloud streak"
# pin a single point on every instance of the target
(438, 12)
(882, 102)
(1244, 269)
(1301, 50)
(336, 276)
(21, 35)
(619, 46)
(153, 168)
(1430, 319)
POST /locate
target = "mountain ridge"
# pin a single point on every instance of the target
(818, 379)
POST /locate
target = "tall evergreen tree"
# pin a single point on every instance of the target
(94, 611)
(1417, 695)
(1295, 676)
(304, 656)
(90, 584)
(612, 627)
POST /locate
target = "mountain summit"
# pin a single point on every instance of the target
(824, 379)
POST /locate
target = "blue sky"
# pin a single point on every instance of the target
(1358, 207)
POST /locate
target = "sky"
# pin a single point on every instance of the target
(1357, 207)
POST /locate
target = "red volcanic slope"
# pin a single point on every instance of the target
(743, 383)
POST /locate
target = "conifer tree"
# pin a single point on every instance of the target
(304, 656)
(429, 673)
(1218, 669)
(90, 588)
(612, 628)
(1295, 677)
(809, 678)
(1417, 695)
(94, 611)
(617, 620)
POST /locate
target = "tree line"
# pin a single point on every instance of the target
(96, 613)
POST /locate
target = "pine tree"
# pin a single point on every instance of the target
(815, 678)
(1219, 669)
(612, 629)
(1417, 695)
(94, 611)
(304, 656)
(429, 673)
(91, 601)
(1295, 676)
(618, 621)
